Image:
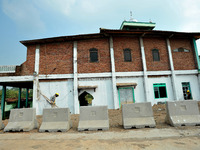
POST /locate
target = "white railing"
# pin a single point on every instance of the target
(7, 69)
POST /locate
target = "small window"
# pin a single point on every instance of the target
(127, 55)
(156, 56)
(181, 49)
(160, 90)
(93, 55)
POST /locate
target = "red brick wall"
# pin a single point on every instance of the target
(27, 68)
(160, 44)
(56, 58)
(119, 44)
(183, 60)
(83, 56)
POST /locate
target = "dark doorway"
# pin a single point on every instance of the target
(85, 99)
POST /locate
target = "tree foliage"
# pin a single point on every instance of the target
(14, 92)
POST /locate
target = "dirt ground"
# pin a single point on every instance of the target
(24, 140)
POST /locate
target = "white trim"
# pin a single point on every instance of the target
(185, 72)
(36, 79)
(146, 89)
(57, 76)
(8, 69)
(76, 102)
(16, 78)
(37, 58)
(114, 87)
(172, 69)
(94, 75)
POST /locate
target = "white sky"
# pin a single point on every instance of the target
(35, 19)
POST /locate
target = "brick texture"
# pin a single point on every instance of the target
(183, 60)
(160, 44)
(56, 58)
(27, 68)
(119, 44)
(83, 58)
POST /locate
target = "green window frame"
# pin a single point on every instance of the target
(160, 90)
(185, 87)
(125, 88)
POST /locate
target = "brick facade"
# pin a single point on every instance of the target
(183, 60)
(56, 58)
(83, 57)
(119, 44)
(161, 46)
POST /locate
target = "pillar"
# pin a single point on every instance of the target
(3, 99)
(19, 98)
(27, 94)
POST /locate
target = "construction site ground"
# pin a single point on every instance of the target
(163, 137)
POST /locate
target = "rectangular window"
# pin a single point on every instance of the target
(127, 55)
(160, 90)
(186, 87)
(93, 55)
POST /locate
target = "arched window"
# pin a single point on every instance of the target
(127, 55)
(93, 55)
(156, 56)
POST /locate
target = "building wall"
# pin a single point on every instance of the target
(119, 44)
(83, 58)
(159, 44)
(56, 58)
(49, 88)
(183, 60)
(27, 68)
(194, 85)
(138, 90)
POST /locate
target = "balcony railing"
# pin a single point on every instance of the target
(7, 69)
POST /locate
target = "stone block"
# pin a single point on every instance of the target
(182, 113)
(55, 120)
(137, 115)
(23, 119)
(93, 118)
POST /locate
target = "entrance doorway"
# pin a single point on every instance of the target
(85, 99)
(126, 95)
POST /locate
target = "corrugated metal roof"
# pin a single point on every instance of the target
(108, 32)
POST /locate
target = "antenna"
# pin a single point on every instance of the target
(131, 16)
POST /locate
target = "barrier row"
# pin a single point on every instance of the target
(137, 115)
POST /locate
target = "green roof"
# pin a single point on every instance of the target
(131, 25)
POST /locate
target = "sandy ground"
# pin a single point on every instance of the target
(116, 138)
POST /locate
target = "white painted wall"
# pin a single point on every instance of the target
(194, 85)
(168, 82)
(139, 89)
(65, 99)
(103, 93)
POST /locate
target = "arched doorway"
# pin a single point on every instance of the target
(85, 99)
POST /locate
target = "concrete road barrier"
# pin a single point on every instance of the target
(22, 120)
(93, 118)
(137, 115)
(1, 123)
(182, 113)
(55, 120)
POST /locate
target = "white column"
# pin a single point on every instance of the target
(36, 79)
(146, 89)
(172, 70)
(76, 102)
(114, 87)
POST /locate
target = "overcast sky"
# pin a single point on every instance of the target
(35, 19)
